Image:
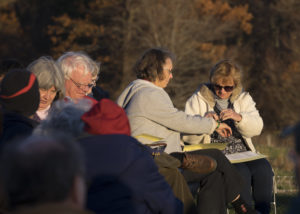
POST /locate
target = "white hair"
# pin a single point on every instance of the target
(73, 61)
(48, 74)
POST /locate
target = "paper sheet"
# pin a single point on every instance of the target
(234, 158)
(244, 157)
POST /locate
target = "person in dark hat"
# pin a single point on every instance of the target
(19, 98)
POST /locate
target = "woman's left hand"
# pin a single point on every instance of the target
(224, 130)
(230, 114)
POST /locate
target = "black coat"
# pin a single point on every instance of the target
(123, 178)
(15, 126)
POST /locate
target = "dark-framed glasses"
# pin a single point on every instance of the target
(170, 71)
(79, 85)
(94, 81)
(226, 88)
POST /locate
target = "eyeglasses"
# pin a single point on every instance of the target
(94, 81)
(226, 88)
(78, 85)
(170, 71)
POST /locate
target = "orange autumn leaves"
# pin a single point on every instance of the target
(225, 13)
(85, 33)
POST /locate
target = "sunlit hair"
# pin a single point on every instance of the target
(48, 74)
(78, 61)
(225, 69)
(64, 116)
(150, 65)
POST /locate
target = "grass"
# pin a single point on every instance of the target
(277, 151)
(277, 154)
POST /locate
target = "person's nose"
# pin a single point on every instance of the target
(46, 95)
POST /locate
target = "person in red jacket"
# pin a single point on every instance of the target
(106, 117)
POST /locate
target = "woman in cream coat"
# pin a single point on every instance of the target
(224, 100)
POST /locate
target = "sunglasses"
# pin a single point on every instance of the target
(226, 88)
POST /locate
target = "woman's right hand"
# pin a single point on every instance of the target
(224, 130)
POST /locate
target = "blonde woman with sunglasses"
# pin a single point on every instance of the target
(224, 100)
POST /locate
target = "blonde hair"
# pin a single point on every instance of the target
(225, 69)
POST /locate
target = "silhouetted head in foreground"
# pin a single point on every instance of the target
(40, 170)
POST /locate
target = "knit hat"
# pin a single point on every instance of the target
(19, 92)
(106, 117)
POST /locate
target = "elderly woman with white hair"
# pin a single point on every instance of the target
(51, 84)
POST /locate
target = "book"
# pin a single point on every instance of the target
(220, 146)
(147, 139)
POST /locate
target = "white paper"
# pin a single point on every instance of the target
(244, 157)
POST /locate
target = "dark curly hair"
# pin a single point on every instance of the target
(150, 65)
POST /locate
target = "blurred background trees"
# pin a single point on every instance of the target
(261, 36)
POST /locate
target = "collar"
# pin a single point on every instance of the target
(206, 91)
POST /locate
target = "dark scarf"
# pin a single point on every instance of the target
(235, 142)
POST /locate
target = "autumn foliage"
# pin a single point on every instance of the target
(261, 36)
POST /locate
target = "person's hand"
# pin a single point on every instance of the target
(211, 115)
(224, 130)
(230, 114)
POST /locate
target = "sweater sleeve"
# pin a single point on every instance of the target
(159, 108)
(193, 107)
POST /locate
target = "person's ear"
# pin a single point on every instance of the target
(78, 192)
